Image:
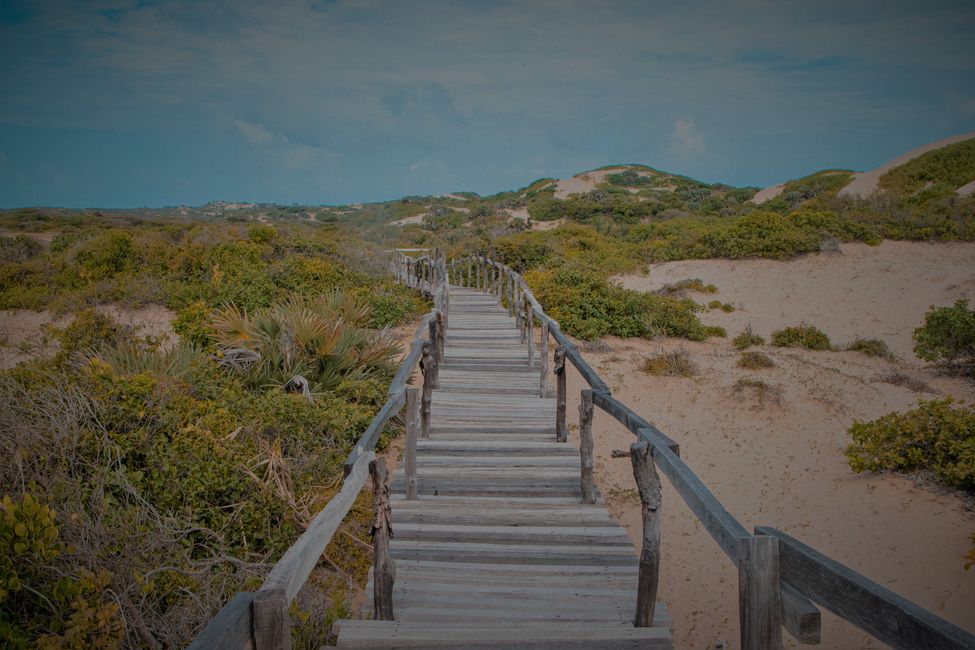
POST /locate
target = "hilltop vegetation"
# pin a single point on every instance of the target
(152, 481)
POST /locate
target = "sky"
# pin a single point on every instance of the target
(128, 104)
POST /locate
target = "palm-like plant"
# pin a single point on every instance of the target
(306, 346)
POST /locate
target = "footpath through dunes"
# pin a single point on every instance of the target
(498, 550)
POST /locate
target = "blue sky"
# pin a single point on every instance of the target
(124, 104)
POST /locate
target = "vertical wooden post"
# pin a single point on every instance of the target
(384, 569)
(561, 432)
(470, 272)
(427, 363)
(529, 334)
(441, 321)
(585, 447)
(648, 484)
(271, 621)
(409, 453)
(759, 599)
(434, 350)
(543, 358)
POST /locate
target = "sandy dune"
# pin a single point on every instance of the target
(767, 194)
(865, 184)
(581, 183)
(869, 291)
(22, 335)
(776, 457)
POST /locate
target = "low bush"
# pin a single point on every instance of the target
(938, 436)
(691, 284)
(801, 336)
(761, 392)
(754, 360)
(948, 337)
(747, 338)
(669, 364)
(871, 348)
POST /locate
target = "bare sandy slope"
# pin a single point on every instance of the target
(581, 183)
(865, 184)
(22, 334)
(767, 194)
(870, 291)
(775, 457)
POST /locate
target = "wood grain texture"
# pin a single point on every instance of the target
(648, 485)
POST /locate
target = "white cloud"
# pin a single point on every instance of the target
(254, 133)
(687, 139)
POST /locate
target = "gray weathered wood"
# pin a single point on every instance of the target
(800, 618)
(427, 367)
(648, 484)
(530, 335)
(889, 617)
(231, 628)
(409, 452)
(297, 563)
(633, 422)
(561, 430)
(585, 447)
(369, 439)
(434, 334)
(271, 621)
(384, 568)
(543, 354)
(759, 604)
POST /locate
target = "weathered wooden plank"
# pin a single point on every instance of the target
(625, 416)
(296, 564)
(889, 617)
(231, 628)
(409, 451)
(371, 436)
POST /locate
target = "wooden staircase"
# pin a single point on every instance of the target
(498, 551)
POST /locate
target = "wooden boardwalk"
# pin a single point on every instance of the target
(498, 550)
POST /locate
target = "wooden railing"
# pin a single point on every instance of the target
(260, 619)
(779, 577)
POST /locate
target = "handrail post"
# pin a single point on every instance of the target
(585, 447)
(427, 363)
(384, 569)
(409, 453)
(441, 335)
(271, 622)
(470, 272)
(648, 484)
(543, 358)
(434, 350)
(561, 432)
(529, 331)
(759, 600)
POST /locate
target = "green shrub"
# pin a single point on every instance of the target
(691, 284)
(90, 330)
(18, 248)
(669, 364)
(936, 435)
(871, 348)
(948, 336)
(747, 338)
(755, 360)
(105, 255)
(801, 336)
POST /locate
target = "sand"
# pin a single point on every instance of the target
(870, 291)
(23, 336)
(776, 458)
(865, 184)
(582, 183)
(767, 194)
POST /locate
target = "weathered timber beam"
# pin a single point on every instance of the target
(296, 564)
(369, 439)
(625, 416)
(230, 629)
(889, 617)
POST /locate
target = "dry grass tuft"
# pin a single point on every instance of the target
(898, 378)
(670, 364)
(759, 391)
(754, 360)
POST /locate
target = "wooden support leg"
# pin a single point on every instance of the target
(543, 371)
(648, 484)
(585, 448)
(384, 569)
(561, 432)
(759, 601)
(271, 621)
(427, 368)
(409, 453)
